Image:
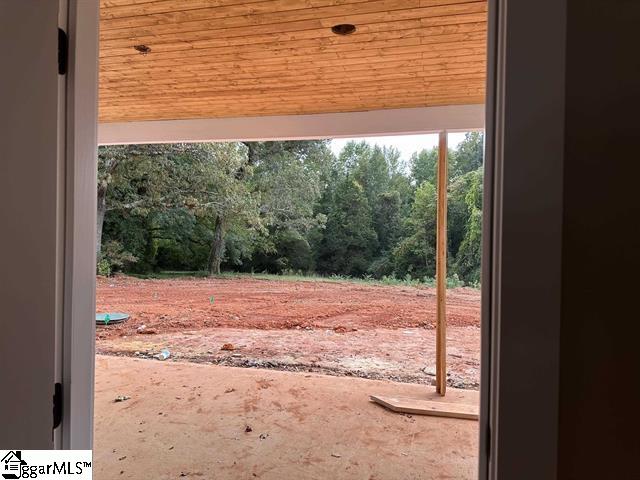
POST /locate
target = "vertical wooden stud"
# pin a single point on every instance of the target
(441, 268)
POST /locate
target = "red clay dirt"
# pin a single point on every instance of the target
(343, 329)
(195, 303)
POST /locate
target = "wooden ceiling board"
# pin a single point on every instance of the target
(314, 38)
(422, 54)
(230, 58)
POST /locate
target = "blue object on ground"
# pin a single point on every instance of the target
(163, 355)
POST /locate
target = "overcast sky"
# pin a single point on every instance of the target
(407, 144)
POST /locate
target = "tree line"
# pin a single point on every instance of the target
(286, 207)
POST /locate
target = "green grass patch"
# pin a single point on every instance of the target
(165, 275)
(452, 282)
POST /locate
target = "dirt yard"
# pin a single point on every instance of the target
(184, 420)
(338, 328)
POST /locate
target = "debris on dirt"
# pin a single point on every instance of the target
(211, 299)
(122, 458)
(228, 347)
(343, 329)
(431, 371)
(121, 398)
(142, 329)
(248, 429)
(163, 355)
(171, 447)
(263, 436)
(336, 455)
(236, 355)
(230, 390)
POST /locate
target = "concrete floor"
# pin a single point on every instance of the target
(193, 420)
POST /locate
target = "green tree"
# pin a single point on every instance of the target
(424, 165)
(290, 177)
(280, 206)
(468, 257)
(458, 210)
(131, 186)
(415, 254)
(349, 240)
(388, 219)
(468, 156)
(352, 155)
(372, 173)
(213, 184)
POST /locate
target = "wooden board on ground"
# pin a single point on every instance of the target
(426, 407)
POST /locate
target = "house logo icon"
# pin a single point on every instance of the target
(11, 464)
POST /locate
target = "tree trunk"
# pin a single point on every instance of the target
(102, 208)
(217, 247)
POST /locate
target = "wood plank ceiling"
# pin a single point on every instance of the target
(229, 58)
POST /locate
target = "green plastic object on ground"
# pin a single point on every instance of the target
(110, 318)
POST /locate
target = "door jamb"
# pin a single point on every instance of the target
(80, 258)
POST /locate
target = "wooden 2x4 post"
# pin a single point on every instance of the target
(429, 403)
(441, 268)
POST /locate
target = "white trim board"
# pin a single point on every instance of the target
(79, 249)
(402, 121)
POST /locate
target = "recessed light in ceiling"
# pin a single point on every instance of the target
(343, 29)
(143, 49)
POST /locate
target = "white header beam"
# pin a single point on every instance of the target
(403, 121)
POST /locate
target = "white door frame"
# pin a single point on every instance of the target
(78, 350)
